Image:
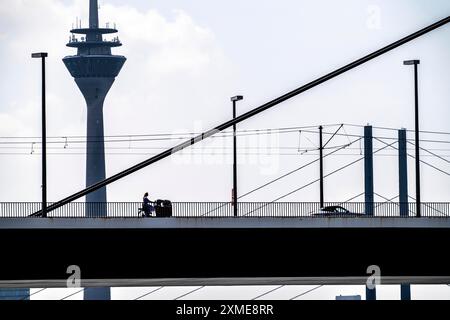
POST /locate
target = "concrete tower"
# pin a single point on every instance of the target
(94, 69)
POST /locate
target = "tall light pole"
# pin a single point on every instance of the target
(43, 55)
(416, 97)
(321, 166)
(235, 209)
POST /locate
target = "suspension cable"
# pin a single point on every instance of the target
(306, 292)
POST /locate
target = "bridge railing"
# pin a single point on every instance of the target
(225, 209)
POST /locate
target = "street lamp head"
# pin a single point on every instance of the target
(39, 55)
(411, 62)
(237, 98)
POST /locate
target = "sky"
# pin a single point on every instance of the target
(185, 59)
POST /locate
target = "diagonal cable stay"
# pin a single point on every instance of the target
(188, 293)
(72, 294)
(424, 162)
(34, 293)
(432, 153)
(306, 292)
(316, 180)
(266, 293)
(428, 206)
(149, 293)
(284, 175)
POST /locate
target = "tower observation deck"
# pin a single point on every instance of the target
(94, 69)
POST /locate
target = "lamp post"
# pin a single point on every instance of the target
(235, 209)
(43, 55)
(416, 97)
(321, 166)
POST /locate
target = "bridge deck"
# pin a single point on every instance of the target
(212, 223)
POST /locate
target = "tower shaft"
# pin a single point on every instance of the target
(94, 69)
(94, 91)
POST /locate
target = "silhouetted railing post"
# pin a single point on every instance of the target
(219, 209)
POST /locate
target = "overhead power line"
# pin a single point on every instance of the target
(396, 129)
(327, 175)
(185, 134)
(432, 153)
(130, 135)
(123, 138)
(381, 137)
(208, 154)
(293, 171)
(424, 162)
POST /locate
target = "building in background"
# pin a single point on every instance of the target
(14, 294)
(355, 297)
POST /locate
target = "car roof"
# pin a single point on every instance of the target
(332, 208)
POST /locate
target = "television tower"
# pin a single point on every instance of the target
(94, 69)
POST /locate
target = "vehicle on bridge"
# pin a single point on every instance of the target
(336, 211)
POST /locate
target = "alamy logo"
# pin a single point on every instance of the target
(74, 280)
(375, 278)
(373, 21)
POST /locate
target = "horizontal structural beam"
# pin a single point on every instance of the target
(247, 115)
(261, 252)
(225, 223)
(243, 281)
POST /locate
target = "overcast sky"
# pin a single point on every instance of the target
(185, 59)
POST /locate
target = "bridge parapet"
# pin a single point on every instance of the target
(225, 209)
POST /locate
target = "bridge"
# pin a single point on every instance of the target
(266, 244)
(259, 243)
